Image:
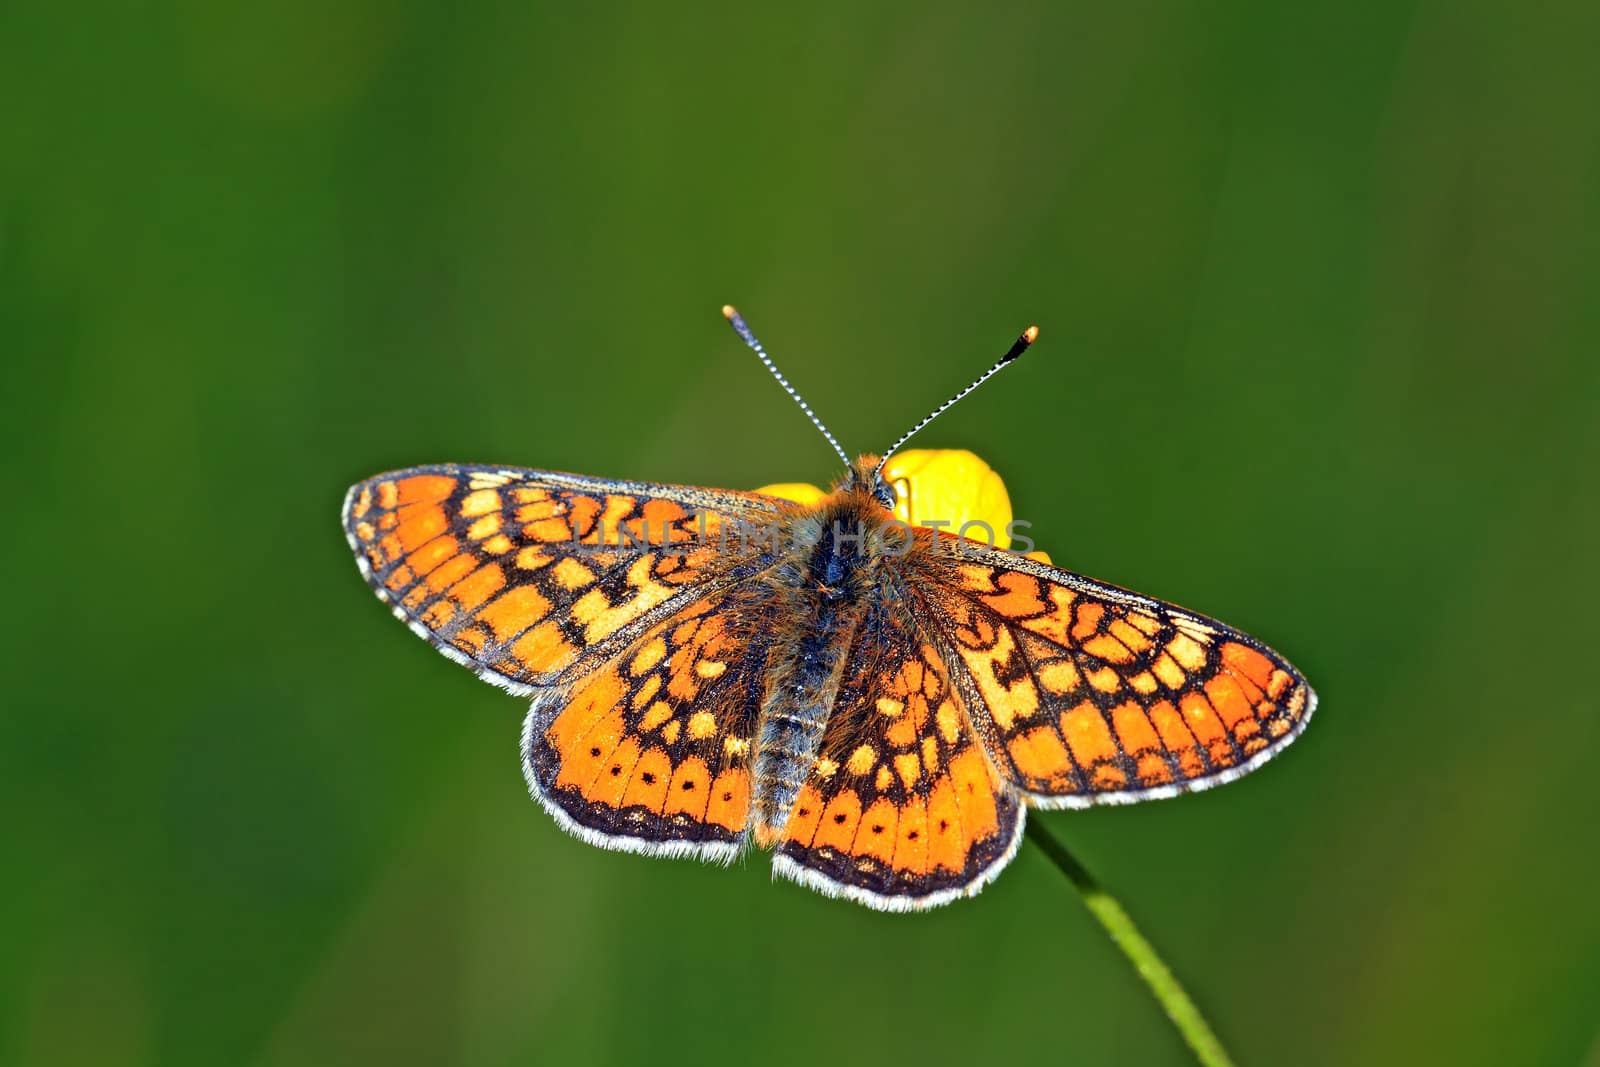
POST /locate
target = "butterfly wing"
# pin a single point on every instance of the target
(651, 752)
(635, 641)
(1089, 694)
(902, 809)
(532, 578)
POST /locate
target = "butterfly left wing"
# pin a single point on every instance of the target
(533, 578)
(1089, 694)
(902, 810)
(635, 641)
(651, 752)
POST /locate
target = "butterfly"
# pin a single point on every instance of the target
(878, 703)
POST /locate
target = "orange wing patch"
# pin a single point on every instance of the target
(1089, 694)
(651, 753)
(532, 578)
(902, 809)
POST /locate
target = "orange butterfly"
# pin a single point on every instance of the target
(878, 703)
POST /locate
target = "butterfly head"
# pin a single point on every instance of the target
(866, 476)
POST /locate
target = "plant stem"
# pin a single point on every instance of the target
(1197, 1033)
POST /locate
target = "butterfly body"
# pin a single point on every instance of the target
(834, 569)
(711, 670)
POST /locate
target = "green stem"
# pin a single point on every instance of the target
(1156, 974)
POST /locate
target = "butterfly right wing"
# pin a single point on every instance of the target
(1089, 694)
(524, 576)
(902, 810)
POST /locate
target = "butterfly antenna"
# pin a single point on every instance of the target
(730, 313)
(1030, 335)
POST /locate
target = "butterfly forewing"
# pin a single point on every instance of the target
(533, 577)
(1086, 693)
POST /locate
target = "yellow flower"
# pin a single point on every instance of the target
(798, 492)
(934, 484)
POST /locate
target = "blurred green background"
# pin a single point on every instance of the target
(1318, 292)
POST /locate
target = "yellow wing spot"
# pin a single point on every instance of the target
(669, 732)
(1194, 628)
(365, 531)
(363, 502)
(949, 727)
(532, 558)
(648, 657)
(709, 668)
(889, 707)
(482, 502)
(826, 768)
(861, 760)
(572, 574)
(1059, 676)
(1105, 679)
(908, 768)
(884, 778)
(1187, 651)
(498, 545)
(658, 713)
(647, 692)
(1170, 673)
(1128, 635)
(1007, 703)
(735, 747)
(702, 724)
(487, 526)
(1144, 682)
(1146, 624)
(600, 620)
(930, 754)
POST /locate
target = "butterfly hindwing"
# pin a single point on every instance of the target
(651, 752)
(533, 577)
(1089, 694)
(902, 809)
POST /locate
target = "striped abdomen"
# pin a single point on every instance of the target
(796, 712)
